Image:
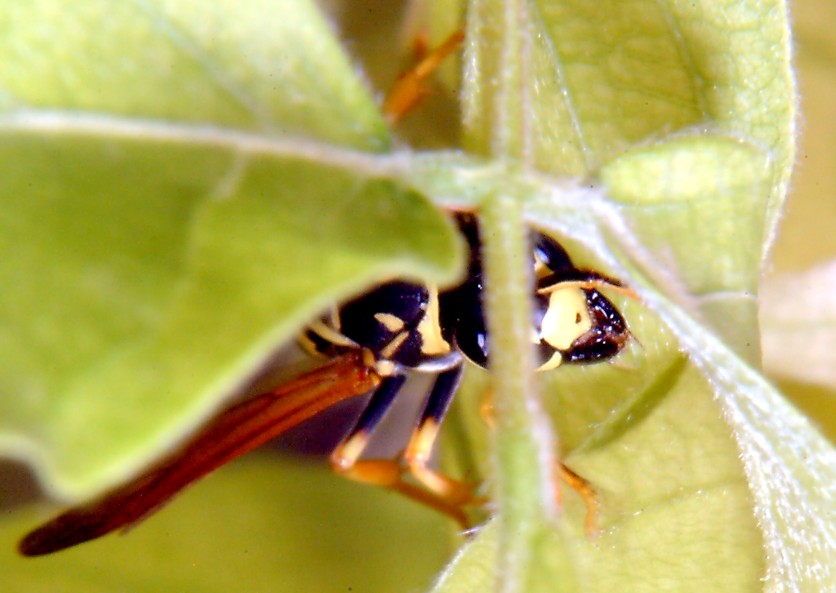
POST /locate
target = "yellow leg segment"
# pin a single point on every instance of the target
(587, 493)
(438, 491)
(562, 473)
(417, 458)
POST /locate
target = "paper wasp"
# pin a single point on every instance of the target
(375, 341)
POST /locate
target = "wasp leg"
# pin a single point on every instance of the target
(410, 89)
(419, 450)
(587, 493)
(577, 483)
(486, 409)
(387, 473)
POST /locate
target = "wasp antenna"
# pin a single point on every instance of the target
(592, 284)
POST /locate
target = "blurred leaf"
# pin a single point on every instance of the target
(806, 239)
(798, 313)
(684, 114)
(259, 525)
(268, 66)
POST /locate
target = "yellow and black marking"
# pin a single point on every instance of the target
(409, 328)
(433, 488)
(377, 340)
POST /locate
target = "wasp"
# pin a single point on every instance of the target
(374, 342)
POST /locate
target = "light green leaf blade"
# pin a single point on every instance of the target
(675, 506)
(598, 79)
(166, 272)
(676, 510)
(790, 467)
(690, 199)
(563, 88)
(473, 569)
(675, 495)
(271, 66)
(130, 235)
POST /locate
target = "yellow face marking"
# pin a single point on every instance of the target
(566, 319)
(432, 342)
(552, 363)
(391, 322)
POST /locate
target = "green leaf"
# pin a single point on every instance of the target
(272, 67)
(805, 240)
(677, 505)
(648, 434)
(566, 88)
(595, 79)
(153, 263)
(689, 199)
(680, 112)
(790, 467)
(207, 245)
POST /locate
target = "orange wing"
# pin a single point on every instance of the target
(234, 432)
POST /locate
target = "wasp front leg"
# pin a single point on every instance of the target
(411, 87)
(587, 493)
(419, 450)
(562, 473)
(434, 489)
